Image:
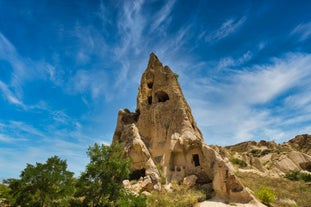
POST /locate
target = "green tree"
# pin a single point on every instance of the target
(43, 185)
(5, 197)
(101, 183)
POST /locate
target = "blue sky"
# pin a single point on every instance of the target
(67, 67)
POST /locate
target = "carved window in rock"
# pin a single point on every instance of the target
(196, 160)
(150, 85)
(149, 100)
(161, 96)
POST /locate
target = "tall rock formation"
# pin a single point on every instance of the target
(163, 135)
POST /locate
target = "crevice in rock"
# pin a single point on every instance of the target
(149, 100)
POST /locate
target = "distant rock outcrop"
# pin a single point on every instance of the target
(301, 143)
(269, 158)
(164, 143)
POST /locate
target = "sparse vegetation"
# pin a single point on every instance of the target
(298, 175)
(180, 196)
(255, 152)
(298, 191)
(266, 195)
(162, 177)
(176, 75)
(239, 162)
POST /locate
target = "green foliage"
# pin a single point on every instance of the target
(48, 184)
(297, 191)
(176, 75)
(238, 162)
(5, 197)
(292, 175)
(266, 196)
(101, 183)
(305, 177)
(128, 199)
(265, 152)
(298, 175)
(255, 152)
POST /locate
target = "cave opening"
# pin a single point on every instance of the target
(196, 160)
(137, 174)
(162, 96)
(150, 85)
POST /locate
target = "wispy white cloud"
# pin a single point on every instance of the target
(303, 30)
(228, 62)
(8, 94)
(23, 71)
(92, 82)
(240, 106)
(227, 28)
(163, 15)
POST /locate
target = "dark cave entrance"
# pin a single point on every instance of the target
(162, 96)
(196, 160)
(136, 174)
(150, 85)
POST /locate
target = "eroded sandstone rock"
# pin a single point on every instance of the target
(162, 132)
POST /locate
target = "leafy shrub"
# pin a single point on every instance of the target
(298, 175)
(292, 175)
(238, 162)
(266, 196)
(305, 177)
(265, 152)
(255, 152)
(128, 199)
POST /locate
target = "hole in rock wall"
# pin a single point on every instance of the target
(162, 96)
(150, 100)
(196, 160)
(136, 174)
(150, 85)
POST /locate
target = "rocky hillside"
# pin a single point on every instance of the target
(270, 158)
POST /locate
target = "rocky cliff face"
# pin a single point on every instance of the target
(163, 140)
(271, 159)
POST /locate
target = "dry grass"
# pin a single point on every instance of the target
(286, 190)
(181, 196)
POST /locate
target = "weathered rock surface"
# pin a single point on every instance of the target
(301, 143)
(269, 158)
(162, 138)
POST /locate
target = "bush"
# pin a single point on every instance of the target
(255, 152)
(305, 177)
(238, 162)
(128, 199)
(298, 175)
(292, 175)
(266, 196)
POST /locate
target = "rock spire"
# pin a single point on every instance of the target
(162, 138)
